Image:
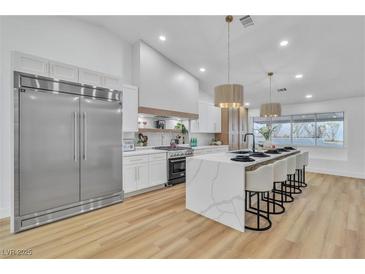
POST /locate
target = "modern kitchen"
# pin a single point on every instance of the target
(185, 136)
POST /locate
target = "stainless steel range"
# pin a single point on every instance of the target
(176, 157)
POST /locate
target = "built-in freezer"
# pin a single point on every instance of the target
(68, 157)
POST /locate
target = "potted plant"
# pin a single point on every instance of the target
(266, 132)
(181, 127)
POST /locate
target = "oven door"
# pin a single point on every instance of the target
(177, 168)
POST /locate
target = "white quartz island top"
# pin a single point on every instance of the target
(215, 186)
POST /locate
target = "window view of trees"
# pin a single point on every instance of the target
(322, 129)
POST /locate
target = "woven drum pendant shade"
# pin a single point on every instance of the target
(270, 110)
(228, 96)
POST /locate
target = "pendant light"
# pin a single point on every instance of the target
(270, 109)
(228, 95)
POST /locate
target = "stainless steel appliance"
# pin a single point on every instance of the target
(128, 145)
(176, 163)
(68, 157)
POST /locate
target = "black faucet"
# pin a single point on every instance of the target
(253, 143)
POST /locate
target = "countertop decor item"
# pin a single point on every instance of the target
(142, 140)
(182, 127)
(228, 95)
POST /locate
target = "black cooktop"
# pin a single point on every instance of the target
(242, 151)
(259, 154)
(273, 151)
(170, 148)
(240, 158)
(289, 148)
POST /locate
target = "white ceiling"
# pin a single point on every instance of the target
(327, 50)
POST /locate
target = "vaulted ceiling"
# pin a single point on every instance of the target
(327, 50)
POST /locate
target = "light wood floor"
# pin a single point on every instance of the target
(326, 221)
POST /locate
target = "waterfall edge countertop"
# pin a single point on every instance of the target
(215, 186)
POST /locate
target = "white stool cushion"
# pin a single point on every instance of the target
(280, 169)
(260, 179)
(291, 164)
(299, 161)
(306, 158)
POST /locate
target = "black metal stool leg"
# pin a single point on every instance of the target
(257, 211)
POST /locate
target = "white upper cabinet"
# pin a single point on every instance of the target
(63, 71)
(209, 119)
(112, 82)
(90, 77)
(40, 66)
(30, 64)
(130, 108)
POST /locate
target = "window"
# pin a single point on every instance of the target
(330, 129)
(319, 129)
(304, 130)
(281, 130)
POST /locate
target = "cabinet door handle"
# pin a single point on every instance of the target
(85, 136)
(75, 137)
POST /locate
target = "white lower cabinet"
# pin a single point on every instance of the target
(143, 176)
(141, 172)
(129, 178)
(158, 173)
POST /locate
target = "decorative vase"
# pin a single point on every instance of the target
(267, 144)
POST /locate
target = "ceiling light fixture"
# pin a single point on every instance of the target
(270, 109)
(308, 96)
(228, 95)
(247, 104)
(284, 43)
(202, 69)
(299, 76)
(162, 38)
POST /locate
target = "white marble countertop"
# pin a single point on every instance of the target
(142, 152)
(225, 157)
(215, 186)
(209, 146)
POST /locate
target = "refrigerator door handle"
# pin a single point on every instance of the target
(75, 136)
(84, 129)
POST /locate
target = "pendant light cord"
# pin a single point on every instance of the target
(228, 56)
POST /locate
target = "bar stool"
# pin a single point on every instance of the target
(299, 172)
(291, 165)
(258, 182)
(279, 179)
(305, 163)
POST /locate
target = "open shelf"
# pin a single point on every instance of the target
(166, 130)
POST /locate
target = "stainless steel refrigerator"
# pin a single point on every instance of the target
(68, 156)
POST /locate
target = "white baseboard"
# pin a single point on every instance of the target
(4, 212)
(337, 173)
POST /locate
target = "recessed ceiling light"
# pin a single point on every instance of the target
(162, 38)
(308, 96)
(202, 69)
(247, 104)
(299, 76)
(284, 43)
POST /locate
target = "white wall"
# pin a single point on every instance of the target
(61, 39)
(347, 161)
(162, 83)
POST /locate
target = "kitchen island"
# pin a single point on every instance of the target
(215, 186)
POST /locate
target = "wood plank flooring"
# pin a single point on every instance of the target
(326, 221)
